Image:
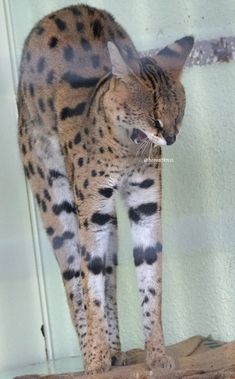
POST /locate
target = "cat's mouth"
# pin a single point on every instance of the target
(138, 136)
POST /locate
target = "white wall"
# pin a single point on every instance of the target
(199, 200)
(20, 309)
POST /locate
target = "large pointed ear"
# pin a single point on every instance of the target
(172, 58)
(120, 69)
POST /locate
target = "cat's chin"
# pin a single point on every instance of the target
(138, 136)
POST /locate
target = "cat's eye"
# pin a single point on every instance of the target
(159, 124)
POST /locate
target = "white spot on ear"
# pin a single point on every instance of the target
(175, 47)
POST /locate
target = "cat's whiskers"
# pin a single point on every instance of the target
(144, 149)
(139, 148)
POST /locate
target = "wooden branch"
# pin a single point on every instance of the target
(197, 357)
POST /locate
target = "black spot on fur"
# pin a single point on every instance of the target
(152, 291)
(109, 270)
(101, 133)
(53, 41)
(71, 112)
(138, 253)
(133, 215)
(23, 149)
(65, 206)
(93, 173)
(77, 138)
(146, 300)
(69, 274)
(60, 24)
(85, 184)
(71, 296)
(146, 209)
(145, 184)
(115, 259)
(47, 195)
(41, 64)
(100, 218)
(31, 168)
(41, 105)
(96, 265)
(40, 172)
(70, 259)
(58, 241)
(95, 60)
(106, 192)
(80, 27)
(97, 28)
(150, 255)
(85, 44)
(74, 9)
(39, 30)
(97, 303)
(50, 77)
(51, 104)
(76, 81)
(28, 56)
(80, 162)
(53, 175)
(81, 195)
(50, 231)
(31, 89)
(87, 257)
(43, 205)
(68, 53)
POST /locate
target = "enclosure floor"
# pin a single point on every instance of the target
(72, 364)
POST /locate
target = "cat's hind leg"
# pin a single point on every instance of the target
(45, 170)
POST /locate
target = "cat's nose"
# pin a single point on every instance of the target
(170, 140)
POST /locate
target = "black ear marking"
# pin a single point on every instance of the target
(173, 57)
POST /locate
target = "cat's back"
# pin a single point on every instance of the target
(70, 45)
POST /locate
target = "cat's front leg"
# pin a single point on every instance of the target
(96, 217)
(143, 197)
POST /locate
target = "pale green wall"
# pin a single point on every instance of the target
(199, 199)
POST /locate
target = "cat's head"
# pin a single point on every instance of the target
(148, 100)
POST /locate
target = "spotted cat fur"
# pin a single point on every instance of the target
(90, 110)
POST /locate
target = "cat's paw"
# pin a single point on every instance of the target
(160, 360)
(97, 364)
(119, 359)
(94, 367)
